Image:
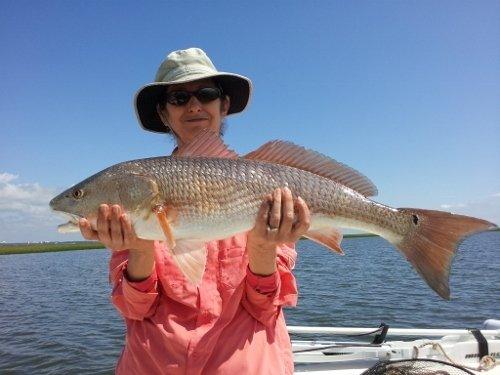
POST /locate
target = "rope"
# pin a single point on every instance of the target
(485, 363)
(366, 334)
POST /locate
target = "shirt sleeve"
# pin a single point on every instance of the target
(134, 300)
(265, 295)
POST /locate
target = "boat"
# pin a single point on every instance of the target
(392, 350)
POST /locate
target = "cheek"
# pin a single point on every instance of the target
(216, 110)
(172, 111)
(172, 114)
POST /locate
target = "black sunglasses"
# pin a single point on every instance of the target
(204, 95)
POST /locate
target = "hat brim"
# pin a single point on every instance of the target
(237, 87)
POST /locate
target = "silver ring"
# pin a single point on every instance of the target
(269, 229)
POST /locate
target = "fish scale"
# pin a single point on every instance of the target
(216, 191)
(204, 198)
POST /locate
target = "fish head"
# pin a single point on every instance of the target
(115, 185)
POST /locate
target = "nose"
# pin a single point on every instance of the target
(194, 105)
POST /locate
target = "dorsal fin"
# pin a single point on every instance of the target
(287, 153)
(207, 143)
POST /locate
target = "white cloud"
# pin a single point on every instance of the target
(487, 208)
(7, 177)
(27, 198)
(25, 214)
(453, 206)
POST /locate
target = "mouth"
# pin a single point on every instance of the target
(197, 119)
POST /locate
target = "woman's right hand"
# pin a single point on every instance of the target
(115, 231)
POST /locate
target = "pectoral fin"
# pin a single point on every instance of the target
(161, 215)
(328, 237)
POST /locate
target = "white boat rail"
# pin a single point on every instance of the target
(392, 331)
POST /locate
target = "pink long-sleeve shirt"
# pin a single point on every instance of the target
(232, 323)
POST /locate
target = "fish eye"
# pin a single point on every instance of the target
(78, 193)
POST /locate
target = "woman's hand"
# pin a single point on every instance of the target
(279, 220)
(114, 230)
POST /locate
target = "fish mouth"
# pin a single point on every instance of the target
(71, 225)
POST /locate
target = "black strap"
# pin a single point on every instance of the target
(380, 338)
(337, 346)
(481, 341)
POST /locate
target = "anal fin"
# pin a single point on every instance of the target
(328, 237)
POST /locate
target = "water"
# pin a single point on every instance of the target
(55, 314)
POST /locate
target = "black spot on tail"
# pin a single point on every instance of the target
(415, 219)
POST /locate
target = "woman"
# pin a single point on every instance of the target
(232, 321)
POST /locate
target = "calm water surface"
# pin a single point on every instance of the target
(56, 318)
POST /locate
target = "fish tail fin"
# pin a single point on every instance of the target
(432, 242)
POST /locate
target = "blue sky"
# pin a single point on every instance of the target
(406, 92)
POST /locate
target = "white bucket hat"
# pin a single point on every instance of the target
(186, 66)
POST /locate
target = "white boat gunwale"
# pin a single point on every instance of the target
(430, 332)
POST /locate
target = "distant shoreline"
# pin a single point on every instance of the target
(46, 247)
(49, 247)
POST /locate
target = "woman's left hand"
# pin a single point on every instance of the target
(279, 220)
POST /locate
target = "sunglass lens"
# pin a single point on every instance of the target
(178, 97)
(204, 95)
(207, 94)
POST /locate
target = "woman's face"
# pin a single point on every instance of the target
(186, 121)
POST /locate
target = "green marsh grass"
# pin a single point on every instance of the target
(45, 247)
(27, 248)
